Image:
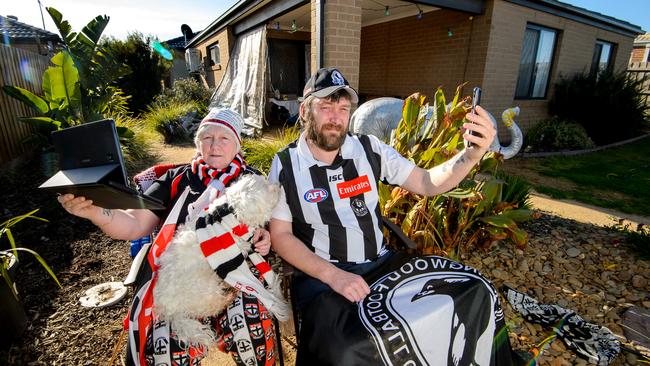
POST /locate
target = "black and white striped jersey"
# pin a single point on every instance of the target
(334, 209)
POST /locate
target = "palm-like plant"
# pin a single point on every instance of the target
(78, 88)
(473, 214)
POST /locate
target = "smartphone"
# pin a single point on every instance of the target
(476, 99)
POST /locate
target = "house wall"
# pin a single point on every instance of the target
(573, 53)
(213, 74)
(178, 70)
(342, 37)
(407, 55)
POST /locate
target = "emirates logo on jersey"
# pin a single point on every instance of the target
(354, 187)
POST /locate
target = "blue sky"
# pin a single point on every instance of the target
(636, 12)
(163, 18)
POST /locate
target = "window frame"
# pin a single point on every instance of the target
(214, 65)
(594, 68)
(556, 33)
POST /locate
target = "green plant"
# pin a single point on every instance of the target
(474, 214)
(186, 90)
(137, 150)
(639, 241)
(166, 120)
(555, 134)
(7, 255)
(147, 67)
(259, 153)
(609, 105)
(515, 190)
(79, 87)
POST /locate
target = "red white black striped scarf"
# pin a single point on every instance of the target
(207, 173)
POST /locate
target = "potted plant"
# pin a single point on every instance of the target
(12, 313)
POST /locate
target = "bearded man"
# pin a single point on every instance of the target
(327, 223)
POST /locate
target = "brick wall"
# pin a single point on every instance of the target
(342, 37)
(213, 74)
(408, 55)
(639, 54)
(573, 53)
(314, 47)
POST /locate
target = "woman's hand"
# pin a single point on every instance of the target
(262, 241)
(79, 206)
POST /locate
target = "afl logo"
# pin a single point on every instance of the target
(316, 195)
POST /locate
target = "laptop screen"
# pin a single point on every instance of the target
(88, 145)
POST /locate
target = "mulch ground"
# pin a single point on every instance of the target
(580, 266)
(59, 332)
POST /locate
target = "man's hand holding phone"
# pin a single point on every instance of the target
(479, 131)
(476, 99)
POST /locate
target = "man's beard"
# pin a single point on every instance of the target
(327, 142)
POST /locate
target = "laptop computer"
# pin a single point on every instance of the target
(91, 165)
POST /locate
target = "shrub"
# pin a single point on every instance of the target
(186, 90)
(258, 153)
(639, 241)
(608, 105)
(147, 67)
(166, 120)
(137, 150)
(556, 134)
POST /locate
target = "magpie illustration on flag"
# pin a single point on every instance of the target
(433, 311)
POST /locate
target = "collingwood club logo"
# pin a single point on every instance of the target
(337, 78)
(399, 314)
(359, 207)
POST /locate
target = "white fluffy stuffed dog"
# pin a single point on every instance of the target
(188, 289)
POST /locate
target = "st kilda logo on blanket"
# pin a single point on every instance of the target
(432, 311)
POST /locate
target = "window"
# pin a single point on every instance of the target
(536, 62)
(215, 57)
(602, 59)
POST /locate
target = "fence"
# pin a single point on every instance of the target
(638, 71)
(24, 69)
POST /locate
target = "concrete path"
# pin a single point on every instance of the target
(583, 212)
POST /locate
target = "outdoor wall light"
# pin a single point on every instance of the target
(419, 16)
(386, 11)
(449, 32)
(294, 27)
(277, 25)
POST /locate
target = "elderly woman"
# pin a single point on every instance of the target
(185, 191)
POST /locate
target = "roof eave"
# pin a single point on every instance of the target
(221, 22)
(589, 17)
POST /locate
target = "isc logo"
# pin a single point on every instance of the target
(316, 195)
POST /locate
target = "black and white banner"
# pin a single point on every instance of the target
(434, 311)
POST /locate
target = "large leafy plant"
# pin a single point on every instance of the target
(472, 215)
(79, 86)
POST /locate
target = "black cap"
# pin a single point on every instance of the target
(325, 82)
